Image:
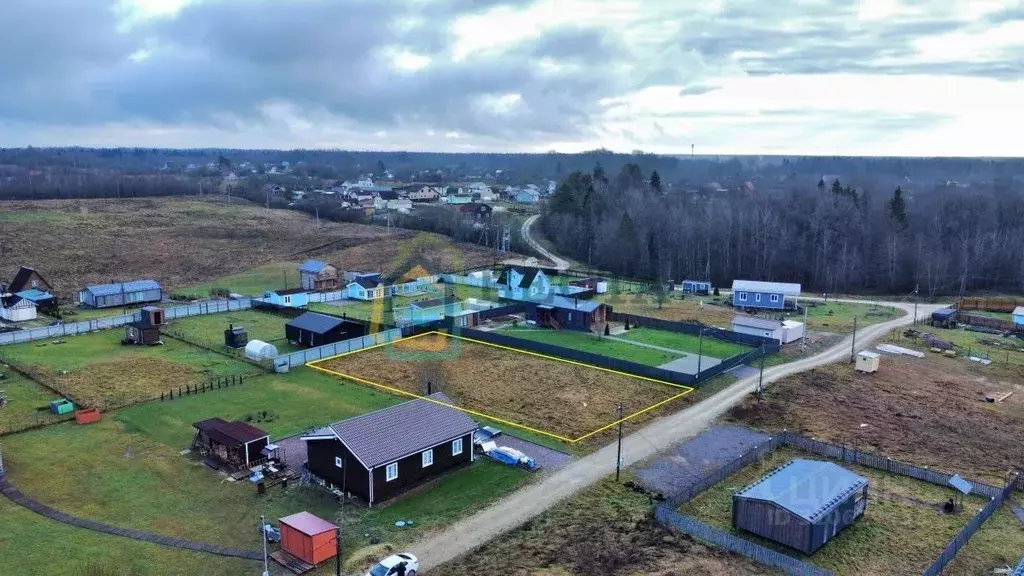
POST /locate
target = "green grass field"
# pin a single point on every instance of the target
(591, 343)
(839, 316)
(720, 349)
(251, 282)
(902, 531)
(1004, 316)
(24, 397)
(209, 329)
(127, 471)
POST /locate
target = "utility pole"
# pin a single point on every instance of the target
(341, 515)
(263, 537)
(618, 455)
(803, 339)
(853, 342)
(963, 284)
(760, 377)
(916, 288)
(337, 557)
(700, 351)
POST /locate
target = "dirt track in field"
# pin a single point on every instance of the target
(550, 395)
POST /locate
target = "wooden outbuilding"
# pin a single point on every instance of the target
(235, 444)
(146, 330)
(120, 294)
(313, 329)
(309, 538)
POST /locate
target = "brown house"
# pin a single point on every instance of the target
(319, 276)
(234, 444)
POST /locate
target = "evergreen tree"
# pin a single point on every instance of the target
(656, 181)
(898, 209)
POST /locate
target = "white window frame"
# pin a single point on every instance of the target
(757, 297)
(391, 472)
(427, 457)
(775, 298)
(456, 446)
(743, 296)
(338, 462)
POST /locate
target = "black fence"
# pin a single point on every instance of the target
(667, 515)
(695, 329)
(215, 383)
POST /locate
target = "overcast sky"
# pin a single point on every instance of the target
(875, 77)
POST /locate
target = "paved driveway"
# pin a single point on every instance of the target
(546, 458)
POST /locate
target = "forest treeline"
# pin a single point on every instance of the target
(831, 237)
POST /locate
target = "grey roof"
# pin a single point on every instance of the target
(807, 488)
(313, 322)
(759, 323)
(390, 434)
(769, 287)
(368, 282)
(571, 304)
(944, 313)
(313, 266)
(118, 287)
(1018, 311)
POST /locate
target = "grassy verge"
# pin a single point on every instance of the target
(839, 316)
(686, 342)
(591, 343)
(902, 531)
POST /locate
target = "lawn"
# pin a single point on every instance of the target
(252, 282)
(839, 316)
(209, 329)
(127, 470)
(24, 398)
(720, 349)
(902, 531)
(592, 343)
(96, 369)
(568, 401)
(27, 549)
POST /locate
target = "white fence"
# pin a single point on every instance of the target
(286, 362)
(467, 281)
(85, 326)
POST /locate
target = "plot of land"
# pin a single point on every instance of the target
(96, 369)
(587, 342)
(902, 531)
(713, 347)
(209, 329)
(566, 399)
(967, 342)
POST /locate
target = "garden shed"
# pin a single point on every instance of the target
(235, 444)
(764, 327)
(802, 504)
(313, 329)
(120, 294)
(308, 537)
(259, 350)
(944, 318)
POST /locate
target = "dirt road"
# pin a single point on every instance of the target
(660, 435)
(560, 263)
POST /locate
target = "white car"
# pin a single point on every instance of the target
(392, 566)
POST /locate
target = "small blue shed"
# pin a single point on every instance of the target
(697, 287)
(765, 295)
(291, 298)
(120, 294)
(1018, 317)
(802, 504)
(944, 318)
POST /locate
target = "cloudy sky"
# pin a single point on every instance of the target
(901, 77)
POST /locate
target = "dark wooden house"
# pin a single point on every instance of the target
(379, 455)
(235, 445)
(146, 330)
(560, 312)
(802, 504)
(30, 285)
(313, 329)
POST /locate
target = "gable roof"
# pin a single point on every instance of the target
(529, 275)
(365, 282)
(317, 323)
(289, 291)
(390, 434)
(22, 278)
(35, 295)
(313, 266)
(118, 287)
(15, 301)
(308, 524)
(759, 323)
(807, 488)
(564, 303)
(769, 287)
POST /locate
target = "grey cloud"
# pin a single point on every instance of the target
(697, 90)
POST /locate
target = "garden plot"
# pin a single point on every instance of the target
(563, 399)
(209, 329)
(97, 370)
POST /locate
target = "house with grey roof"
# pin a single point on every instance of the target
(120, 294)
(765, 295)
(317, 276)
(380, 455)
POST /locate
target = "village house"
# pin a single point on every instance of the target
(14, 308)
(318, 276)
(313, 329)
(527, 197)
(560, 312)
(764, 295)
(290, 298)
(521, 283)
(120, 294)
(476, 211)
(380, 455)
(424, 194)
(369, 287)
(30, 285)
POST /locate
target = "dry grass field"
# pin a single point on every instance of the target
(550, 395)
(184, 241)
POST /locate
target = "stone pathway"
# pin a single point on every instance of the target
(14, 495)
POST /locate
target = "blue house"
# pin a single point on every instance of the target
(1018, 317)
(431, 310)
(559, 312)
(521, 283)
(696, 287)
(527, 197)
(291, 298)
(120, 294)
(765, 295)
(368, 287)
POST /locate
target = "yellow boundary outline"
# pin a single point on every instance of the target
(685, 389)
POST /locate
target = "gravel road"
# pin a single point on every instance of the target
(660, 435)
(560, 263)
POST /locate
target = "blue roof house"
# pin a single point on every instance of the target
(291, 298)
(120, 294)
(765, 295)
(802, 504)
(1018, 317)
(316, 275)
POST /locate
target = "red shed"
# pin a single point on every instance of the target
(308, 538)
